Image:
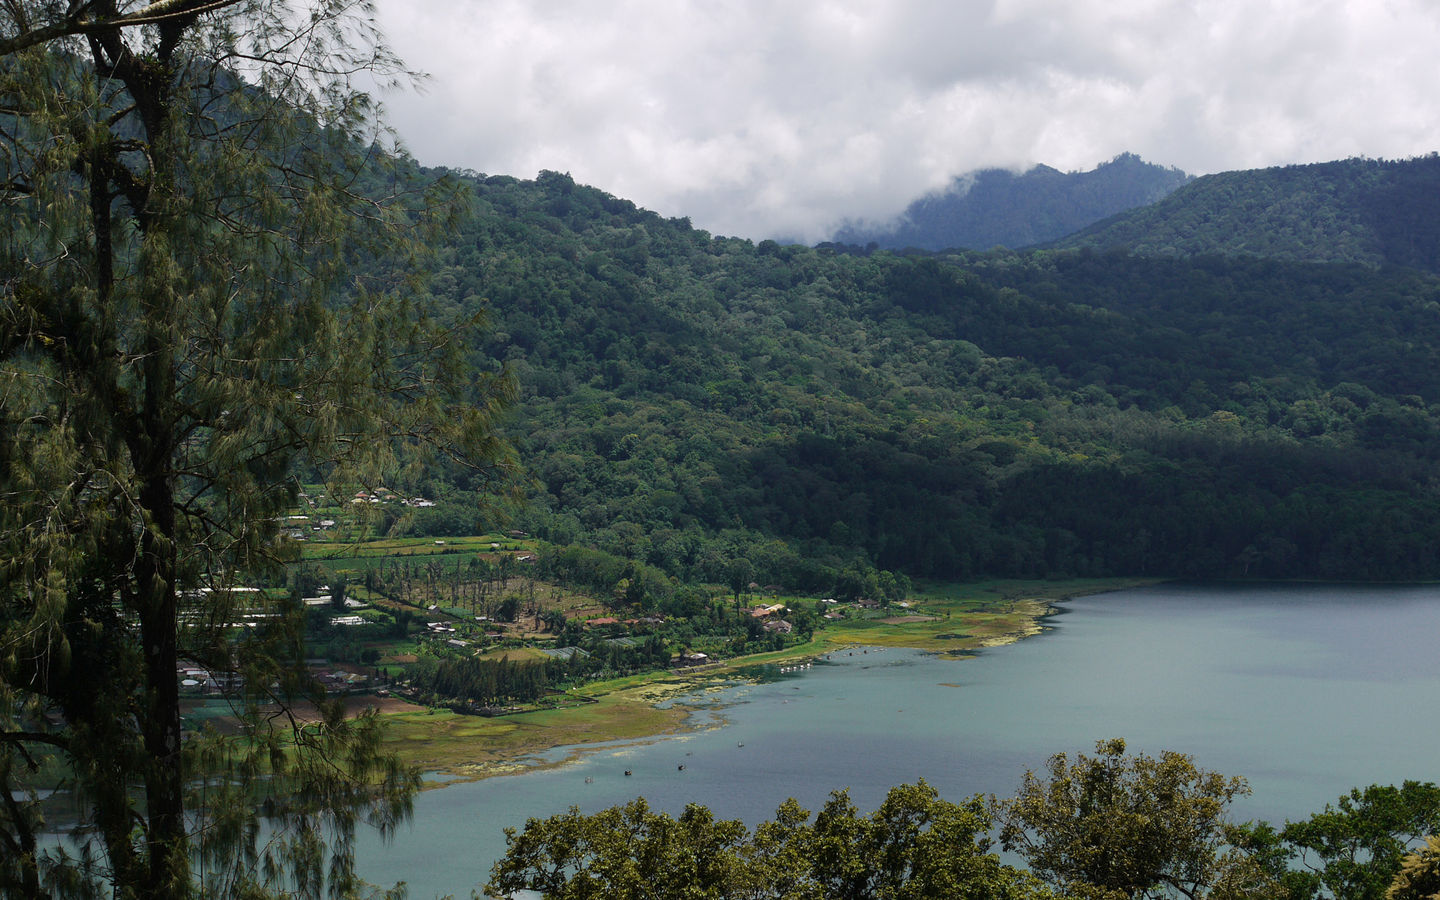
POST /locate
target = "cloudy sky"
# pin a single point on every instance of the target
(768, 118)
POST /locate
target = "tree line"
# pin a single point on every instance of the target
(1108, 826)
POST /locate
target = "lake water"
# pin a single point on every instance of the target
(1306, 691)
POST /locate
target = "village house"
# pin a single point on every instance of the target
(340, 682)
(192, 678)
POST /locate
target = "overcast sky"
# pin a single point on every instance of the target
(765, 118)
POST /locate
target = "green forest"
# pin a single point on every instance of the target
(688, 401)
(1371, 211)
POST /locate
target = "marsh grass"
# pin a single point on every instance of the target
(955, 619)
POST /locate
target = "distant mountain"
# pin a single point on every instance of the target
(1366, 211)
(996, 207)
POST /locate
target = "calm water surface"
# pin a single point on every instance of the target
(1306, 691)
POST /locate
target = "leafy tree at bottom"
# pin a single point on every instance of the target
(1115, 826)
(914, 846)
(1355, 848)
(1109, 827)
(1419, 875)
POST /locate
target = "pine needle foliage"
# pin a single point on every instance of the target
(189, 189)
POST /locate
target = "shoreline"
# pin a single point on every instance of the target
(955, 622)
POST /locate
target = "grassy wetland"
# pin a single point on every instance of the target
(954, 620)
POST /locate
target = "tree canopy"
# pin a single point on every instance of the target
(690, 401)
(914, 846)
(1121, 826)
(1358, 847)
(1113, 826)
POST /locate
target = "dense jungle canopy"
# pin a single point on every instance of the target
(689, 400)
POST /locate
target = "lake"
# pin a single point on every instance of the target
(1307, 691)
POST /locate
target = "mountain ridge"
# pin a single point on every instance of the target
(997, 207)
(1366, 211)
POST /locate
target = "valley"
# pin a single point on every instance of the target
(347, 499)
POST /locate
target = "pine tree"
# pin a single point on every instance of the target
(199, 239)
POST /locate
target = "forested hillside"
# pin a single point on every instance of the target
(1374, 212)
(1000, 208)
(728, 412)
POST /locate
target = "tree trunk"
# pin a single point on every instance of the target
(165, 805)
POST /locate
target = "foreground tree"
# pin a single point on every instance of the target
(182, 328)
(914, 847)
(1118, 826)
(1355, 848)
(1419, 874)
(1104, 828)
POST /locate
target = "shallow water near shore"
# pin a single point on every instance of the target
(1305, 690)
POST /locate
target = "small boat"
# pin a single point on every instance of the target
(627, 773)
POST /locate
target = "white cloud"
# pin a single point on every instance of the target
(781, 117)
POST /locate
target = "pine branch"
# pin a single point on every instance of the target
(81, 22)
(21, 738)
